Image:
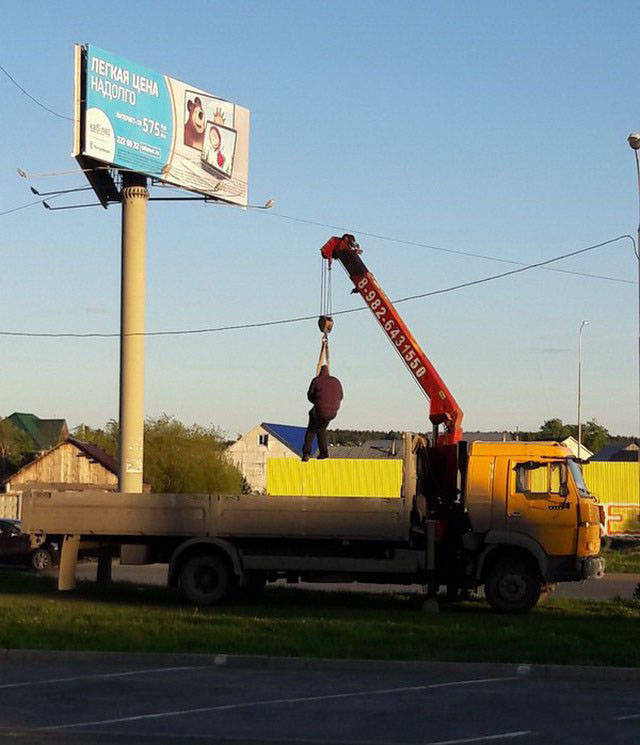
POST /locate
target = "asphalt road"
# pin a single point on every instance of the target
(610, 586)
(128, 702)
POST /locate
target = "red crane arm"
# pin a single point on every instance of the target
(443, 407)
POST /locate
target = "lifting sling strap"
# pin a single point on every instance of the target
(325, 321)
(323, 358)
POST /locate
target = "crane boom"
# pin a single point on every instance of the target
(443, 406)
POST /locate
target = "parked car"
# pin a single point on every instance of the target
(15, 548)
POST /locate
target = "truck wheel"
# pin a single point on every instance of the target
(207, 579)
(41, 559)
(512, 586)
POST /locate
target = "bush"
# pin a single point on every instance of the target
(177, 459)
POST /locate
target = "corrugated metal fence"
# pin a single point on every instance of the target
(616, 486)
(612, 481)
(340, 477)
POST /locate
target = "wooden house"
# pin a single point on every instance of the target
(71, 464)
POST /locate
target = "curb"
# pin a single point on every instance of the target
(259, 662)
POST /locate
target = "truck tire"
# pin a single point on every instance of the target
(512, 586)
(206, 579)
(41, 559)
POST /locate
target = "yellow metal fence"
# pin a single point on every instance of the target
(339, 477)
(612, 482)
(616, 486)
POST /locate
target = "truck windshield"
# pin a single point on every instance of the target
(578, 479)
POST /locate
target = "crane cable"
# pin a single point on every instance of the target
(325, 320)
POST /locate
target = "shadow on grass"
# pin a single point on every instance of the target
(272, 601)
(286, 601)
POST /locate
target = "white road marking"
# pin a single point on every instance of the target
(307, 740)
(628, 716)
(482, 738)
(96, 676)
(470, 682)
(276, 701)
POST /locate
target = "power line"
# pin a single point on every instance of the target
(35, 100)
(30, 204)
(298, 319)
(378, 236)
(401, 241)
(537, 265)
(457, 252)
(335, 227)
(22, 207)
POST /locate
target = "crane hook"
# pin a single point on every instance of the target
(325, 324)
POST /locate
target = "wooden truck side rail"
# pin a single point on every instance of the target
(91, 513)
(103, 514)
(240, 540)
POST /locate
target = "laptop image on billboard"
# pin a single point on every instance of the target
(218, 150)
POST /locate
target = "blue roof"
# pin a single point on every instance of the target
(291, 436)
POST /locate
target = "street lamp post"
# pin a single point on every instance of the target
(582, 325)
(634, 144)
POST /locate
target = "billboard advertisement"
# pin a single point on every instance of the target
(139, 120)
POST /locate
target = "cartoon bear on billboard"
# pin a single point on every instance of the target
(195, 125)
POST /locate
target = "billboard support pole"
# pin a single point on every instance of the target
(132, 326)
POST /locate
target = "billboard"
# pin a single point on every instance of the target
(135, 119)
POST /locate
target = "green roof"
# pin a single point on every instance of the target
(44, 433)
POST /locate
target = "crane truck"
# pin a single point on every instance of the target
(512, 517)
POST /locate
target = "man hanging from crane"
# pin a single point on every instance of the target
(325, 391)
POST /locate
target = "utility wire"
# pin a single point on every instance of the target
(35, 100)
(22, 207)
(298, 319)
(454, 251)
(538, 265)
(401, 241)
(335, 227)
(30, 204)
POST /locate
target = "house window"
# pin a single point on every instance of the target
(263, 440)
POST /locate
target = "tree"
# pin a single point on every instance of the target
(594, 436)
(106, 438)
(16, 448)
(177, 458)
(554, 429)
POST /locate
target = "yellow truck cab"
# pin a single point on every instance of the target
(537, 521)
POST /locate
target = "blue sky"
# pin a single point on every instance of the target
(479, 126)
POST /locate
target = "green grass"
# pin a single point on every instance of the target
(623, 557)
(33, 615)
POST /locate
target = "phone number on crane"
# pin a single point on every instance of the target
(406, 349)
